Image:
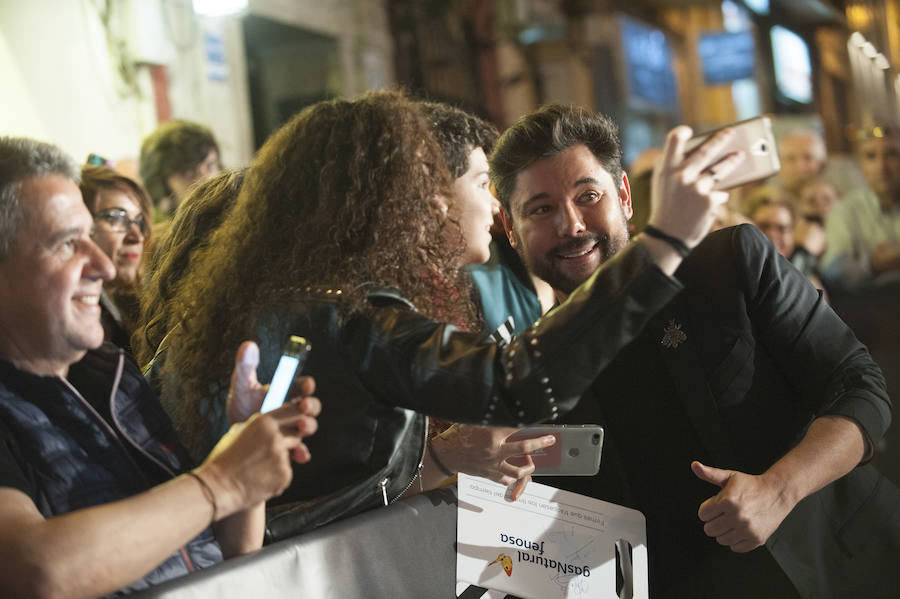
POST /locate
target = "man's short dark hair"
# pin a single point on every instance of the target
(458, 133)
(549, 131)
(22, 158)
(175, 147)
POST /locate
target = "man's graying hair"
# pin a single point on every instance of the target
(22, 158)
(549, 131)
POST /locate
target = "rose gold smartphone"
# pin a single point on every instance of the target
(754, 137)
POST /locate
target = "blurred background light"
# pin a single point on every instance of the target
(220, 8)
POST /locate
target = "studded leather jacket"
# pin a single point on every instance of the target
(380, 375)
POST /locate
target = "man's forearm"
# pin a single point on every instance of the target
(831, 447)
(99, 549)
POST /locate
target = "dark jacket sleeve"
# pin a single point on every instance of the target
(822, 358)
(441, 371)
(11, 472)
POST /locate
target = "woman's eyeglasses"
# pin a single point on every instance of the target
(117, 220)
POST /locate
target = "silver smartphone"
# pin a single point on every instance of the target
(754, 137)
(289, 365)
(575, 453)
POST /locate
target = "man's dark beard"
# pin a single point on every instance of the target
(545, 269)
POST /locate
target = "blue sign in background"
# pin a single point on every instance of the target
(727, 57)
(648, 64)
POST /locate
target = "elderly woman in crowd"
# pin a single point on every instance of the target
(339, 234)
(121, 211)
(775, 215)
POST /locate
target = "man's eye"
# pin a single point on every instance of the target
(67, 247)
(589, 197)
(539, 211)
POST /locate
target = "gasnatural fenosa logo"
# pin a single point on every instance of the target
(505, 561)
(533, 552)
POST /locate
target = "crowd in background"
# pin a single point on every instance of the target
(371, 225)
(845, 240)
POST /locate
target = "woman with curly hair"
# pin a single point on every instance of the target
(339, 235)
(197, 217)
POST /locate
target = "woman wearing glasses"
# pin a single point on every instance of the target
(121, 211)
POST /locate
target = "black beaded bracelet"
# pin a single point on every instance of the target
(436, 461)
(678, 245)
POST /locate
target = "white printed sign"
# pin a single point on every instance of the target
(549, 543)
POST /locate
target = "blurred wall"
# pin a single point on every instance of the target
(80, 78)
(59, 83)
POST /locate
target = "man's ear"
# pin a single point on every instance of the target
(625, 196)
(506, 219)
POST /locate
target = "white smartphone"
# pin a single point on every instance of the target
(289, 365)
(754, 137)
(575, 453)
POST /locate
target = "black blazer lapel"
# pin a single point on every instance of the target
(676, 346)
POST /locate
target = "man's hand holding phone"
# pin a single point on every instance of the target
(252, 462)
(683, 196)
(246, 396)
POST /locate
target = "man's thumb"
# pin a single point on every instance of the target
(715, 476)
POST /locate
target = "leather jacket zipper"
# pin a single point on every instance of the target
(384, 483)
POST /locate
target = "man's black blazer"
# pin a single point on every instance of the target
(755, 354)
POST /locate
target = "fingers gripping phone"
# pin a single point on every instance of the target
(289, 365)
(754, 137)
(575, 453)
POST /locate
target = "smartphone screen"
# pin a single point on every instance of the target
(289, 365)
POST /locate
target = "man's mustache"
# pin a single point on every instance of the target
(581, 243)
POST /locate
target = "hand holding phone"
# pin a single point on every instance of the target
(754, 137)
(575, 453)
(289, 365)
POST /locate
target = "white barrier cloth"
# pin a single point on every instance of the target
(549, 543)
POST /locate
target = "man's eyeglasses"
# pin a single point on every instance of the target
(116, 219)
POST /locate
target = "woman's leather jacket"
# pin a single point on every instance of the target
(378, 375)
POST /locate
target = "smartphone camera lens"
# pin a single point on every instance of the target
(595, 439)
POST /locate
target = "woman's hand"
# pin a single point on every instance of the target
(485, 451)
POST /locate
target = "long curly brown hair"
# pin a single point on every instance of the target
(198, 215)
(341, 196)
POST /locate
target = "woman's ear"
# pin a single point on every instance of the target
(441, 203)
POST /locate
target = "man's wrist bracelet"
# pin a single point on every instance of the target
(444, 470)
(207, 492)
(679, 246)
